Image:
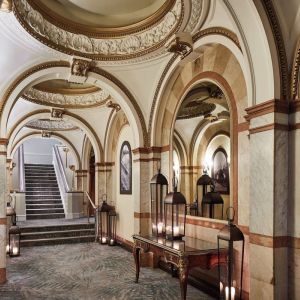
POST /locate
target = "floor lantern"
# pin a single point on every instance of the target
(231, 238)
(159, 190)
(103, 221)
(112, 226)
(14, 236)
(175, 214)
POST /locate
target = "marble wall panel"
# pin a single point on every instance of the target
(262, 183)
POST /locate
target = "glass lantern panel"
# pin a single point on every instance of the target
(158, 192)
(14, 244)
(103, 227)
(179, 220)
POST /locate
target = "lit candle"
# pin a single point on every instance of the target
(7, 248)
(227, 293)
(15, 250)
(176, 246)
(112, 241)
(221, 287)
(169, 229)
(104, 240)
(159, 227)
(176, 231)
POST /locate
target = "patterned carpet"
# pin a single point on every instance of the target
(86, 271)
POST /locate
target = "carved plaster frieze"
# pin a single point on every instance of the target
(196, 11)
(50, 125)
(46, 134)
(66, 101)
(57, 113)
(116, 48)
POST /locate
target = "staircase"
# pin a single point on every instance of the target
(57, 234)
(43, 199)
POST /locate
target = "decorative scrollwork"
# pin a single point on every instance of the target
(68, 101)
(50, 125)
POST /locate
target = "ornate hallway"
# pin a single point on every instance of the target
(86, 271)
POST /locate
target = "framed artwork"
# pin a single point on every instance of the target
(125, 169)
(220, 171)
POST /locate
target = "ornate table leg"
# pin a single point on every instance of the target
(136, 254)
(183, 275)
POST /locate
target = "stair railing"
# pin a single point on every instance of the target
(21, 169)
(95, 208)
(61, 170)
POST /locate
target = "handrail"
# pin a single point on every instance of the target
(21, 168)
(95, 208)
(61, 168)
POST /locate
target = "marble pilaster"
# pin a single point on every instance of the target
(268, 202)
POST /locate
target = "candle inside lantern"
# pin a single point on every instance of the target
(227, 293)
(15, 250)
(7, 248)
(221, 287)
(176, 246)
(104, 240)
(176, 231)
(112, 241)
(159, 227)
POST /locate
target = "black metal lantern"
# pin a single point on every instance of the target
(231, 272)
(204, 184)
(112, 226)
(103, 221)
(159, 190)
(14, 236)
(175, 214)
(212, 199)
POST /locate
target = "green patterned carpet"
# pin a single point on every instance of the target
(86, 271)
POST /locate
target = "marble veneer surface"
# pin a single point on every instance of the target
(86, 271)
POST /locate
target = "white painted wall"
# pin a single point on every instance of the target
(39, 150)
(124, 203)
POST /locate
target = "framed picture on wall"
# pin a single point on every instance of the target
(125, 169)
(220, 171)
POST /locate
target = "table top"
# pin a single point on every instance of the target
(187, 246)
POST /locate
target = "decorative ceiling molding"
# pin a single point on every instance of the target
(196, 11)
(50, 125)
(295, 72)
(116, 48)
(281, 52)
(66, 101)
(98, 31)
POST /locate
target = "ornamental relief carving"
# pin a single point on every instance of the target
(67, 101)
(50, 125)
(97, 48)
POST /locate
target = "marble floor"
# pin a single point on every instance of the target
(86, 271)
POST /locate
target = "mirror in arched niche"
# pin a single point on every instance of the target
(202, 151)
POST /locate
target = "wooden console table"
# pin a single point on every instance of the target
(185, 255)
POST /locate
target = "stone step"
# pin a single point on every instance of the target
(45, 216)
(43, 206)
(42, 184)
(57, 241)
(41, 187)
(43, 201)
(45, 194)
(41, 211)
(57, 234)
(42, 228)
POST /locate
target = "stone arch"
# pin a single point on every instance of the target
(96, 76)
(181, 149)
(86, 150)
(115, 127)
(54, 135)
(76, 120)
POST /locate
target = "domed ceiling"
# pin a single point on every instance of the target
(107, 30)
(61, 93)
(102, 13)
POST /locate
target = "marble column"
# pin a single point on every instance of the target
(268, 254)
(100, 186)
(3, 195)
